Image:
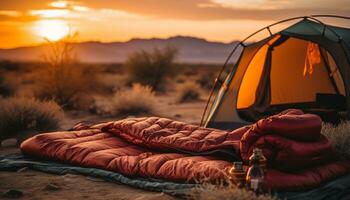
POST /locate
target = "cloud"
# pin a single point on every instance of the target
(198, 10)
(10, 13)
(15, 16)
(20, 5)
(224, 9)
(72, 5)
(255, 4)
(50, 13)
(73, 11)
(61, 10)
(80, 8)
(60, 4)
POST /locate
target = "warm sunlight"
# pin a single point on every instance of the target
(175, 99)
(52, 30)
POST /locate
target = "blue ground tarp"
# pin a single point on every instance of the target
(334, 190)
(17, 161)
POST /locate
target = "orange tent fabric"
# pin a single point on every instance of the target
(313, 57)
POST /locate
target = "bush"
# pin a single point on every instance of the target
(110, 83)
(22, 115)
(64, 81)
(151, 68)
(188, 91)
(206, 81)
(135, 101)
(101, 105)
(231, 192)
(7, 65)
(339, 136)
(7, 87)
(66, 85)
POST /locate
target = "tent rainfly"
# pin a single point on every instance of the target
(305, 66)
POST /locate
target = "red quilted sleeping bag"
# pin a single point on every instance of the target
(299, 157)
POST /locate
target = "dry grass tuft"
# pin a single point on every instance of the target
(101, 105)
(339, 136)
(134, 101)
(7, 86)
(7, 65)
(212, 192)
(188, 91)
(151, 68)
(206, 80)
(67, 85)
(22, 115)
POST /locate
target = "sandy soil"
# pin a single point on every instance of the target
(38, 185)
(189, 112)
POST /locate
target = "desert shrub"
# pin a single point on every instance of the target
(22, 115)
(101, 105)
(63, 80)
(110, 83)
(7, 65)
(180, 80)
(151, 68)
(231, 192)
(206, 81)
(190, 71)
(66, 85)
(188, 91)
(339, 136)
(134, 101)
(7, 87)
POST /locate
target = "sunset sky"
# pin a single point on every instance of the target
(27, 22)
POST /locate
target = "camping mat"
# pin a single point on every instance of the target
(337, 189)
(15, 162)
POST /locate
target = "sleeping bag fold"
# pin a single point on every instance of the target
(165, 149)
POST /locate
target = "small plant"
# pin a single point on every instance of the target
(209, 191)
(109, 84)
(63, 80)
(188, 91)
(135, 101)
(339, 136)
(151, 68)
(206, 81)
(7, 87)
(101, 105)
(7, 65)
(23, 115)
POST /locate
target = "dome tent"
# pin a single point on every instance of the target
(306, 66)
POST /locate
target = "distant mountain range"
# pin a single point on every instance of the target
(190, 50)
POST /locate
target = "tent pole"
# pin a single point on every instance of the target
(328, 68)
(218, 80)
(331, 16)
(313, 17)
(268, 28)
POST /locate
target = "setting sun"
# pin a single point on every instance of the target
(52, 30)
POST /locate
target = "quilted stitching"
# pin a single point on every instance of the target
(162, 133)
(154, 147)
(103, 150)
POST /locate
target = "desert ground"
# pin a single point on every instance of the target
(109, 79)
(38, 185)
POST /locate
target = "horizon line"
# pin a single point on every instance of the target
(126, 41)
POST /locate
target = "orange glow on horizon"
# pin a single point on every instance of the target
(26, 24)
